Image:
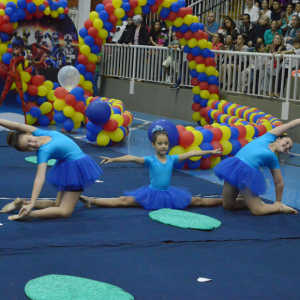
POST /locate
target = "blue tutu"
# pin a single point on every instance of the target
(74, 175)
(174, 197)
(241, 175)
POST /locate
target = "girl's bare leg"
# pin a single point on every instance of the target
(231, 199)
(206, 202)
(65, 209)
(109, 202)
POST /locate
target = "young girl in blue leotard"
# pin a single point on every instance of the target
(159, 194)
(72, 172)
(241, 173)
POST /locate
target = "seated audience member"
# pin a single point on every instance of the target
(212, 26)
(297, 11)
(269, 34)
(286, 18)
(218, 42)
(128, 33)
(265, 10)
(292, 31)
(229, 27)
(261, 28)
(251, 10)
(276, 13)
(248, 29)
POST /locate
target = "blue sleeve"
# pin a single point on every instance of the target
(39, 132)
(42, 157)
(274, 164)
(214, 28)
(174, 159)
(147, 160)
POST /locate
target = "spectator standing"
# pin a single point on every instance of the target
(251, 10)
(265, 10)
(128, 33)
(248, 29)
(276, 13)
(269, 34)
(286, 18)
(155, 31)
(212, 26)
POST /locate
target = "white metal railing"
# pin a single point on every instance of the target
(239, 72)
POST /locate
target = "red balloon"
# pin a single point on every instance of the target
(196, 107)
(186, 139)
(2, 6)
(207, 119)
(209, 61)
(204, 111)
(213, 105)
(29, 105)
(182, 12)
(126, 120)
(28, 16)
(88, 93)
(38, 80)
(154, 8)
(92, 31)
(105, 2)
(82, 59)
(109, 8)
(6, 19)
(159, 1)
(70, 100)
(32, 90)
(218, 134)
(46, 3)
(261, 129)
(189, 10)
(113, 19)
(7, 27)
(133, 3)
(216, 145)
(3, 68)
(66, 11)
(79, 106)
(242, 131)
(91, 67)
(60, 93)
(190, 57)
(188, 35)
(98, 41)
(243, 141)
(206, 35)
(199, 35)
(50, 115)
(111, 125)
(199, 59)
(203, 85)
(172, 16)
(180, 129)
(38, 14)
(218, 113)
(205, 163)
(213, 89)
(179, 35)
(207, 127)
(88, 23)
(1, 20)
(10, 50)
(130, 13)
(195, 81)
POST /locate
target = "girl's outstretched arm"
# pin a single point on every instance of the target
(278, 181)
(17, 126)
(126, 158)
(190, 154)
(37, 187)
(280, 130)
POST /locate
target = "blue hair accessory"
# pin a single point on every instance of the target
(157, 128)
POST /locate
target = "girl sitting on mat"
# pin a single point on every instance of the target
(241, 173)
(72, 172)
(159, 194)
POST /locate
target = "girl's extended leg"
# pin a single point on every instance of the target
(65, 209)
(198, 201)
(109, 202)
(231, 200)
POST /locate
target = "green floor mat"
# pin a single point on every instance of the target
(62, 287)
(33, 160)
(184, 219)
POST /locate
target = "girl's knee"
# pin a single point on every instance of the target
(66, 213)
(124, 200)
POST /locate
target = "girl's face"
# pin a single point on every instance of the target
(289, 9)
(274, 25)
(264, 4)
(29, 143)
(240, 40)
(156, 26)
(161, 144)
(227, 23)
(277, 40)
(228, 40)
(215, 39)
(284, 145)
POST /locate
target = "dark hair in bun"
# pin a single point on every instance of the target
(13, 139)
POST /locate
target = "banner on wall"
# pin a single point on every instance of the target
(49, 44)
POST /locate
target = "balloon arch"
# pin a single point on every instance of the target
(226, 125)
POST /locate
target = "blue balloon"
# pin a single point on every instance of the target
(108, 26)
(8, 11)
(200, 26)
(68, 124)
(207, 136)
(21, 14)
(146, 9)
(14, 18)
(124, 18)
(63, 3)
(203, 102)
(31, 7)
(175, 7)
(116, 111)
(205, 52)
(151, 2)
(123, 129)
(103, 15)
(81, 68)
(50, 2)
(89, 40)
(181, 3)
(98, 112)
(31, 98)
(210, 112)
(165, 12)
(213, 80)
(35, 111)
(54, 6)
(93, 128)
(202, 77)
(174, 28)
(234, 133)
(256, 132)
(206, 147)
(59, 117)
(6, 57)
(99, 8)
(169, 127)
(199, 128)
(193, 165)
(179, 165)
(236, 146)
(83, 32)
(41, 100)
(194, 73)
(187, 49)
(196, 51)
(42, 7)
(184, 28)
(55, 85)
(4, 37)
(88, 76)
(225, 108)
(92, 137)
(197, 98)
(44, 120)
(22, 4)
(126, 6)
(78, 92)
(11, 5)
(194, 27)
(26, 96)
(61, 16)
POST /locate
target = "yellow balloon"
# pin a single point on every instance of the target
(216, 125)
(183, 42)
(77, 117)
(226, 132)
(2, 12)
(117, 3)
(101, 33)
(93, 16)
(77, 125)
(25, 87)
(177, 150)
(25, 76)
(85, 49)
(192, 65)
(3, 49)
(190, 128)
(60, 10)
(196, 116)
(48, 85)
(166, 3)
(200, 68)
(102, 139)
(117, 135)
(81, 80)
(20, 68)
(250, 131)
(119, 23)
(137, 10)
(196, 90)
(169, 23)
(118, 118)
(42, 91)
(198, 138)
(227, 147)
(214, 161)
(68, 111)
(59, 105)
(193, 148)
(47, 11)
(88, 101)
(98, 23)
(202, 43)
(204, 94)
(203, 122)
(87, 85)
(13, 86)
(38, 2)
(178, 22)
(210, 71)
(192, 43)
(30, 119)
(188, 19)
(50, 95)
(45, 108)
(195, 19)
(92, 58)
(81, 41)
(209, 45)
(119, 12)
(214, 97)
(54, 14)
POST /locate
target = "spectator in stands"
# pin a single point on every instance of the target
(229, 27)
(144, 23)
(265, 10)
(261, 28)
(140, 36)
(251, 10)
(127, 33)
(212, 26)
(269, 34)
(155, 31)
(276, 13)
(218, 42)
(286, 18)
(292, 31)
(297, 11)
(248, 29)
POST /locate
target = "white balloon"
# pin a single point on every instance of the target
(68, 77)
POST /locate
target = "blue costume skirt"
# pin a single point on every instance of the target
(74, 175)
(174, 197)
(239, 174)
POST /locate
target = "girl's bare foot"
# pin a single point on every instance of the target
(15, 205)
(289, 210)
(86, 201)
(19, 218)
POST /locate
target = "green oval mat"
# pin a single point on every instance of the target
(33, 160)
(63, 287)
(184, 219)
